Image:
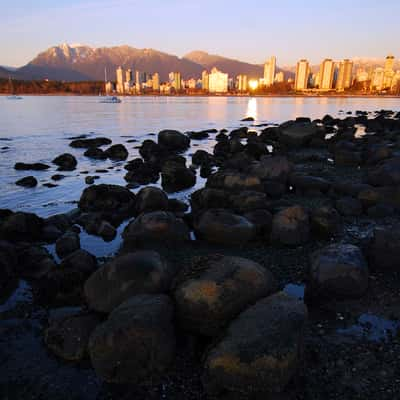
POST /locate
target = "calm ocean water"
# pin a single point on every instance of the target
(38, 129)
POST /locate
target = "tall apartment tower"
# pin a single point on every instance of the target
(242, 83)
(156, 82)
(205, 81)
(326, 74)
(344, 78)
(128, 75)
(388, 72)
(176, 80)
(120, 80)
(302, 74)
(269, 71)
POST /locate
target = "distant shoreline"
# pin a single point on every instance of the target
(211, 95)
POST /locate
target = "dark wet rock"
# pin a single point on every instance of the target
(94, 224)
(87, 143)
(261, 351)
(247, 119)
(297, 134)
(51, 233)
(384, 249)
(309, 184)
(106, 231)
(249, 201)
(67, 244)
(153, 152)
(201, 135)
(291, 226)
(8, 262)
(201, 157)
(50, 185)
(61, 221)
(177, 206)
(239, 133)
(142, 174)
(65, 162)
(173, 140)
(21, 226)
(381, 211)
(134, 164)
(273, 168)
(349, 206)
(176, 177)
(80, 260)
(35, 166)
(377, 153)
(57, 177)
(68, 333)
(126, 276)
(386, 174)
(28, 181)
(206, 198)
(110, 200)
(205, 304)
(136, 342)
(350, 188)
(117, 152)
(262, 220)
(325, 221)
(89, 180)
(337, 272)
(151, 199)
(221, 137)
(223, 227)
(347, 158)
(34, 262)
(234, 181)
(95, 153)
(158, 227)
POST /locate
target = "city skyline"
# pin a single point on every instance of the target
(288, 31)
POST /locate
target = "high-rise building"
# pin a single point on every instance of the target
(302, 74)
(280, 77)
(241, 83)
(128, 75)
(389, 72)
(361, 75)
(120, 80)
(344, 78)
(269, 71)
(175, 80)
(218, 81)
(378, 77)
(156, 82)
(205, 81)
(140, 79)
(326, 74)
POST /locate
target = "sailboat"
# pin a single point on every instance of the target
(108, 98)
(13, 95)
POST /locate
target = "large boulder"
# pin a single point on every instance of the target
(309, 184)
(157, 227)
(151, 199)
(337, 272)
(67, 244)
(272, 168)
(249, 201)
(20, 166)
(27, 181)
(21, 226)
(175, 176)
(117, 152)
(126, 276)
(68, 333)
(325, 221)
(80, 260)
(206, 198)
(34, 262)
(385, 174)
(136, 342)
(95, 153)
(88, 143)
(235, 181)
(384, 249)
(65, 162)
(223, 227)
(173, 140)
(261, 351)
(108, 200)
(8, 263)
(225, 286)
(297, 134)
(291, 226)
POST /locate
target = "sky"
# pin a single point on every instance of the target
(250, 30)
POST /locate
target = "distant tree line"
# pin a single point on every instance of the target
(50, 87)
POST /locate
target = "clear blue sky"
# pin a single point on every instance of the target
(249, 30)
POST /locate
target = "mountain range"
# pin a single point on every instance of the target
(76, 62)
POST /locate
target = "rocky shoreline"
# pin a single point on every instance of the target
(279, 279)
